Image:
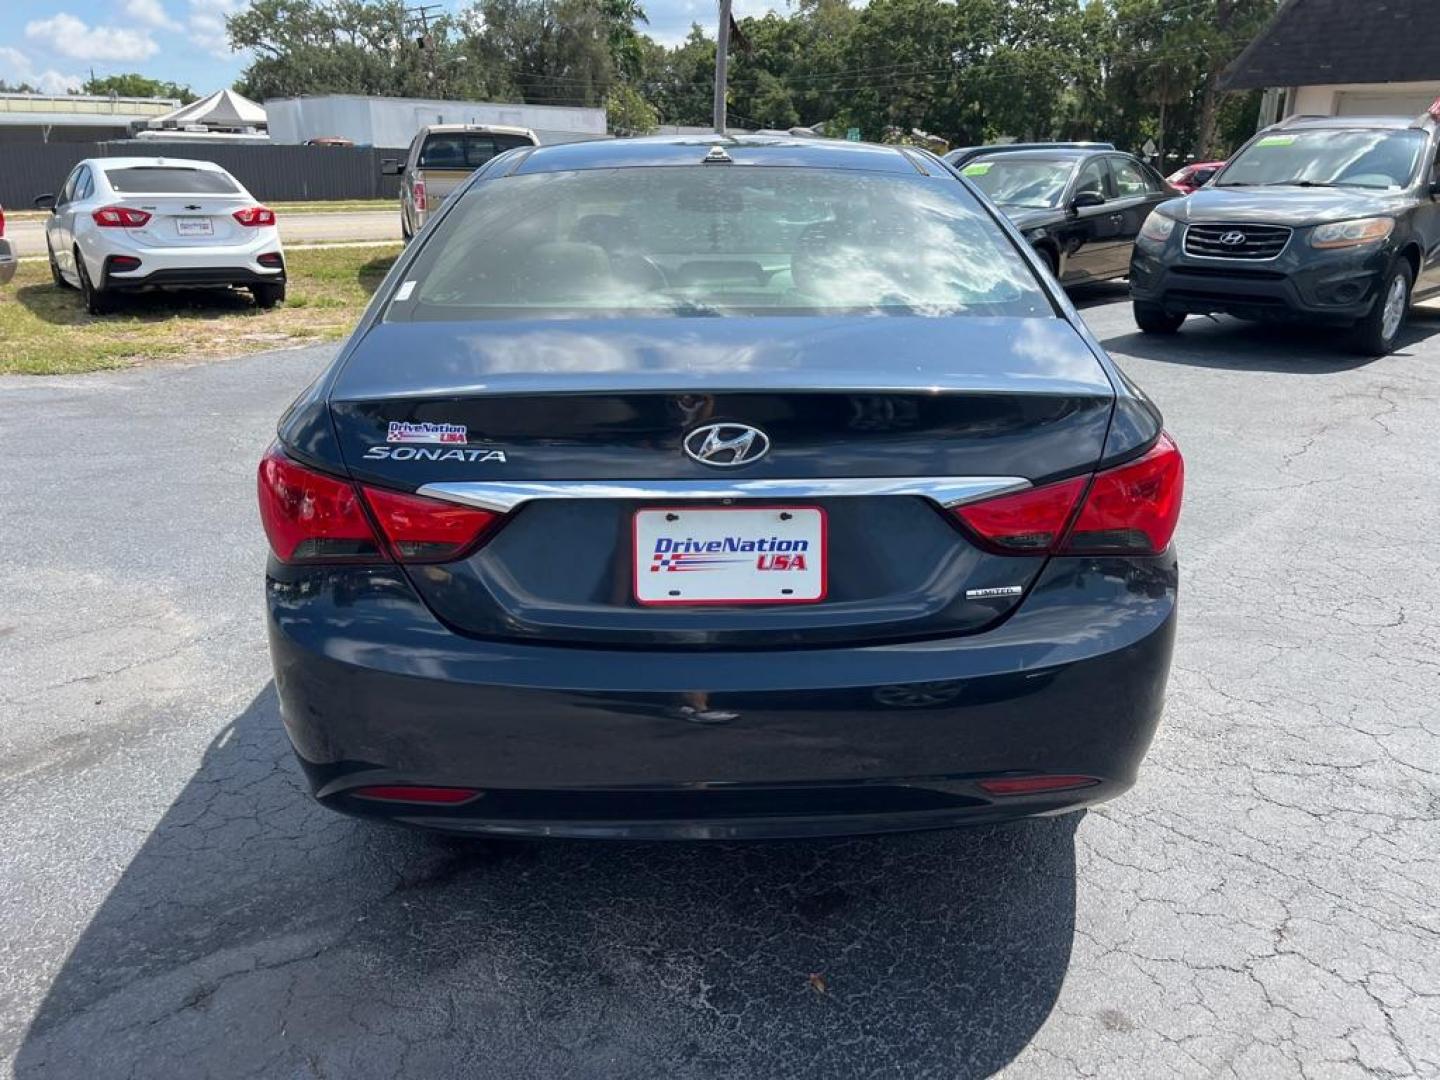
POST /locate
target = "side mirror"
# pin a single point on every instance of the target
(45, 202)
(391, 167)
(1083, 199)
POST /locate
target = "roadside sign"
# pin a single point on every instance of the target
(853, 134)
(1149, 148)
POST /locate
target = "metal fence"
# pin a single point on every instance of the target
(271, 173)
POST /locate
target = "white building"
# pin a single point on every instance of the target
(392, 122)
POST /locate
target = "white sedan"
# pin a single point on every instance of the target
(123, 224)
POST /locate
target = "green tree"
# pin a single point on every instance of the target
(135, 85)
(628, 113)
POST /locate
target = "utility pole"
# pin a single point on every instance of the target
(423, 14)
(722, 59)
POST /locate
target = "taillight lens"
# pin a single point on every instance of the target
(417, 194)
(310, 517)
(255, 216)
(427, 530)
(1134, 507)
(119, 217)
(1130, 509)
(1028, 522)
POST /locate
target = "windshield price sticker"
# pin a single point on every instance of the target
(1276, 140)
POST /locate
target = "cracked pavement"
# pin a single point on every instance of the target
(1263, 904)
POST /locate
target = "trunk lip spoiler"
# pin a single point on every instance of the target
(503, 496)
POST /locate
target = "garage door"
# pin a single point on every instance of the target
(1379, 103)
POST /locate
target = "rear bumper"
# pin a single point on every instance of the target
(618, 743)
(1338, 288)
(179, 277)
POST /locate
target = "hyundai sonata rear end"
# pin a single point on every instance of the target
(711, 489)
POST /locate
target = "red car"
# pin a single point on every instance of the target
(1194, 175)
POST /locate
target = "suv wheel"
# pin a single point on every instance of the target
(97, 301)
(1153, 319)
(1375, 334)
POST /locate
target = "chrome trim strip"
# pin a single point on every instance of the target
(504, 496)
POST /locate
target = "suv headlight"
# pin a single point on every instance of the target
(1344, 234)
(1157, 227)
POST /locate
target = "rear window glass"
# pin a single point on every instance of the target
(168, 180)
(718, 240)
(465, 151)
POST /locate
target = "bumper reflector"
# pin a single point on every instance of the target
(1034, 785)
(409, 793)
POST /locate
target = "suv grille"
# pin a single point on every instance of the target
(1256, 241)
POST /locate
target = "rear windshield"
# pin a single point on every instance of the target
(1021, 181)
(169, 180)
(462, 150)
(1328, 157)
(717, 240)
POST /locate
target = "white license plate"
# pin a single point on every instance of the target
(714, 555)
(194, 226)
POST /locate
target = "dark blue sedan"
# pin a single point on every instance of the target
(721, 487)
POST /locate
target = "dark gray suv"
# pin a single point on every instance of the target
(1317, 219)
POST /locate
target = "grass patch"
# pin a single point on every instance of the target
(44, 330)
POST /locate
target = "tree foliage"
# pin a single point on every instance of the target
(972, 70)
(133, 85)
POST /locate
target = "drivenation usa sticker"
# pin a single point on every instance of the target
(401, 431)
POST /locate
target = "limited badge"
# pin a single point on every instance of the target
(401, 431)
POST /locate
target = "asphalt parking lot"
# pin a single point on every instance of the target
(1263, 904)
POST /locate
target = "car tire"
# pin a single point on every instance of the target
(97, 301)
(1051, 259)
(268, 295)
(55, 275)
(1375, 334)
(1153, 319)
(405, 232)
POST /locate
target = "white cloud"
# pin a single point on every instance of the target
(68, 36)
(151, 13)
(16, 67)
(206, 24)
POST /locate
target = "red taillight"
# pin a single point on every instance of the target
(271, 259)
(1134, 507)
(119, 217)
(417, 193)
(427, 530)
(255, 216)
(1027, 522)
(1130, 509)
(2, 221)
(415, 793)
(1034, 785)
(310, 517)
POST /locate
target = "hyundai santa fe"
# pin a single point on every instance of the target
(1329, 220)
(733, 487)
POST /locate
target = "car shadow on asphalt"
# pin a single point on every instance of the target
(1224, 342)
(254, 932)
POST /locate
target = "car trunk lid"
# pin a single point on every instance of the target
(576, 428)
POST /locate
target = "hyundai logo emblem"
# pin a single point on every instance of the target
(1232, 238)
(726, 445)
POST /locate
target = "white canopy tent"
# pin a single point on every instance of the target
(223, 110)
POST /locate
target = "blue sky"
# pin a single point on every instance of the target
(56, 43)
